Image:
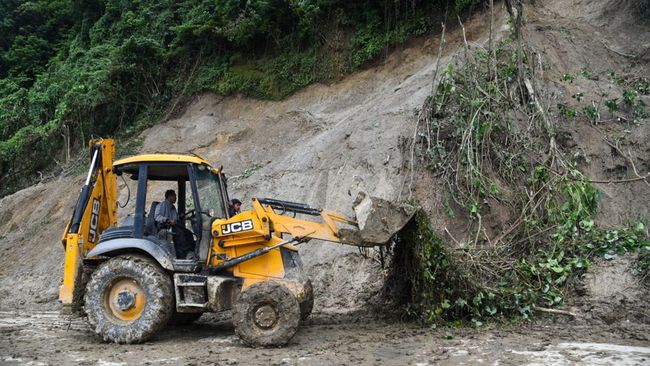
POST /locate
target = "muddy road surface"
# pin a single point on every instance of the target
(47, 338)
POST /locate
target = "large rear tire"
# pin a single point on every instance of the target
(266, 314)
(128, 299)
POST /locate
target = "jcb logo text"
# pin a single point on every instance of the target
(236, 227)
(94, 218)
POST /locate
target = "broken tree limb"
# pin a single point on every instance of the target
(628, 157)
(617, 52)
(555, 311)
(452, 237)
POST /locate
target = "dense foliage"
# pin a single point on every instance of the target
(69, 69)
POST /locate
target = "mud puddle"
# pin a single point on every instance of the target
(46, 338)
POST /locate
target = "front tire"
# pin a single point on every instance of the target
(266, 314)
(128, 299)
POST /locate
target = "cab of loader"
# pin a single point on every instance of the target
(129, 279)
(202, 198)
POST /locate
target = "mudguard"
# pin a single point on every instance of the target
(162, 253)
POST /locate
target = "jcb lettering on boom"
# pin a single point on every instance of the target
(94, 219)
(235, 227)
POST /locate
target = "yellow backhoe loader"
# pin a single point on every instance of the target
(130, 282)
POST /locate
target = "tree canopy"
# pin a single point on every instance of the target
(72, 68)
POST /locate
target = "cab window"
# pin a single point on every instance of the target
(210, 196)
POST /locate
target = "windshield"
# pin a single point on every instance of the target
(210, 195)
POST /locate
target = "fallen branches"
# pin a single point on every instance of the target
(617, 52)
(555, 311)
(630, 160)
(628, 157)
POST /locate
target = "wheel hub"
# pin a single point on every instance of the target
(266, 317)
(125, 300)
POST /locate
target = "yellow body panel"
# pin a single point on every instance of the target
(266, 230)
(266, 266)
(72, 268)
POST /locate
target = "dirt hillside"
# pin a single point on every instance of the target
(586, 52)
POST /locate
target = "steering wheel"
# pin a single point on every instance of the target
(188, 215)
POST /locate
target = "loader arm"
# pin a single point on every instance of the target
(327, 230)
(250, 244)
(94, 212)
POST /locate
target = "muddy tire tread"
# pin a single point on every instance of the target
(288, 311)
(158, 308)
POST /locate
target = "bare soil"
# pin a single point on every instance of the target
(46, 338)
(322, 146)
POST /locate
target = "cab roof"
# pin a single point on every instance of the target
(162, 158)
(170, 167)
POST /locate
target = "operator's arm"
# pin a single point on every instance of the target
(161, 213)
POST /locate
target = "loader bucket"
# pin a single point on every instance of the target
(378, 220)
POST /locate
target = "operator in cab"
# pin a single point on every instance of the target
(234, 208)
(167, 217)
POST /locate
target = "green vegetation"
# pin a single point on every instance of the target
(69, 69)
(473, 285)
(488, 135)
(631, 108)
(250, 170)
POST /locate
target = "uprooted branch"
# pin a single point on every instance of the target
(628, 157)
(555, 311)
(638, 176)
